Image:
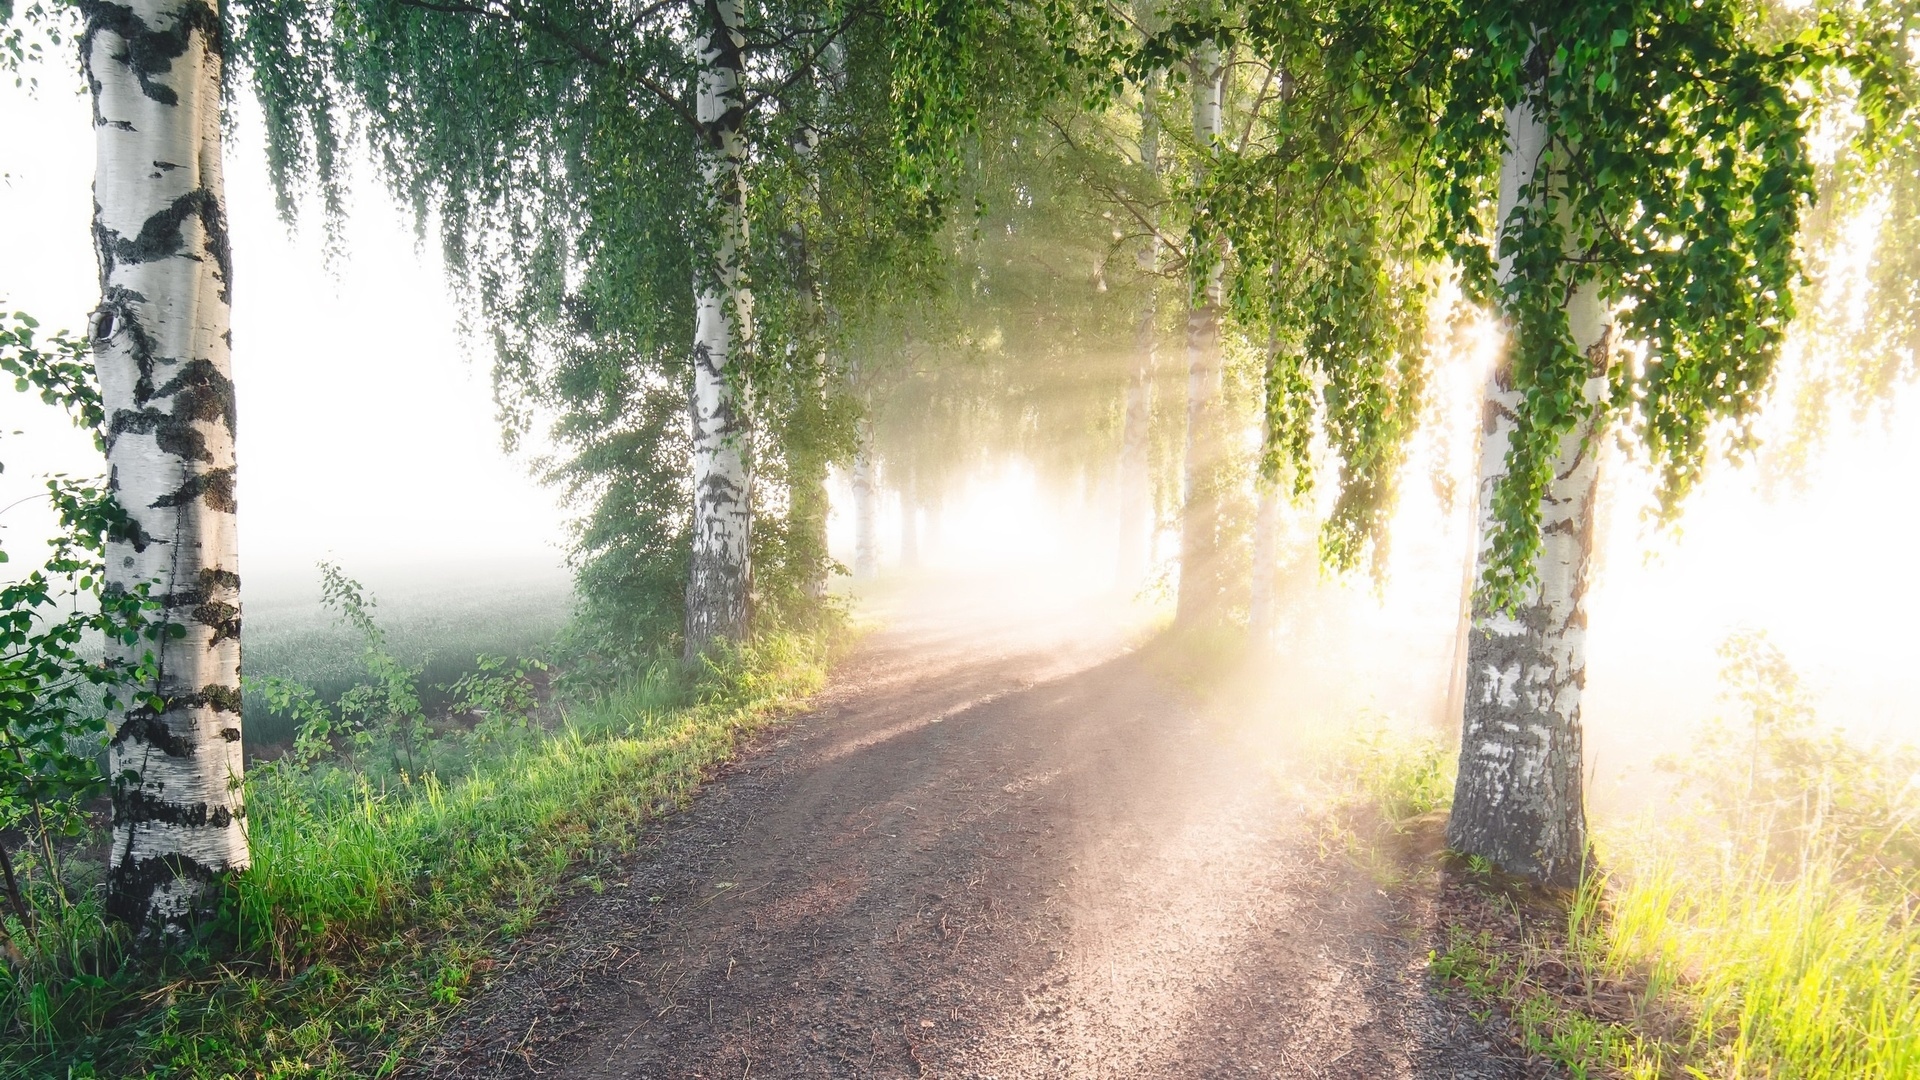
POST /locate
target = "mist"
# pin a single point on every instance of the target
(975, 541)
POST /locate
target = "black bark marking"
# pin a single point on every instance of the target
(223, 618)
(224, 699)
(161, 237)
(118, 313)
(148, 728)
(214, 485)
(179, 439)
(149, 52)
(199, 393)
(135, 883)
(208, 609)
(1494, 412)
(133, 805)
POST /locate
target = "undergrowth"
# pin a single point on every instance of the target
(1763, 925)
(378, 900)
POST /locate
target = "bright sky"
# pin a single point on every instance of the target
(365, 431)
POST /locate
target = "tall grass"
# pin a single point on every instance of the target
(1814, 976)
(1769, 919)
(373, 906)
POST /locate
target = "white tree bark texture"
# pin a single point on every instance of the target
(1202, 588)
(1519, 800)
(719, 582)
(866, 504)
(161, 342)
(1136, 476)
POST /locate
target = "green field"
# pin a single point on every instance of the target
(437, 622)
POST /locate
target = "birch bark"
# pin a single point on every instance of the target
(161, 345)
(1519, 800)
(1136, 493)
(719, 577)
(1201, 589)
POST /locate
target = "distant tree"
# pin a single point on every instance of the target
(584, 163)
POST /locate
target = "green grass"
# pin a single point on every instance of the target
(1812, 976)
(1497, 973)
(1732, 966)
(371, 912)
(1400, 775)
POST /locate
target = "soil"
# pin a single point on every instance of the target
(1002, 844)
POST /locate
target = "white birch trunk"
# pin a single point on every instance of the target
(866, 504)
(1136, 478)
(161, 345)
(1519, 801)
(1201, 589)
(719, 573)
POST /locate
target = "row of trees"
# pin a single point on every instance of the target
(718, 247)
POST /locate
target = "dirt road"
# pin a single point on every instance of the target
(1002, 845)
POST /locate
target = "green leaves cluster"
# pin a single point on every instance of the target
(554, 147)
(71, 651)
(1675, 182)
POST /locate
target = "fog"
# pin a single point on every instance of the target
(368, 436)
(366, 430)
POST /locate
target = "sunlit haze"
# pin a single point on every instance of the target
(366, 359)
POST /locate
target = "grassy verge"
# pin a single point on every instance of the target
(1682, 958)
(371, 911)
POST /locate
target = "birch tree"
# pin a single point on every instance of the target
(1137, 524)
(605, 178)
(866, 505)
(161, 346)
(1201, 588)
(720, 572)
(1605, 231)
(1519, 800)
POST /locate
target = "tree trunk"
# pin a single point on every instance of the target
(1519, 800)
(1455, 705)
(720, 577)
(807, 500)
(1201, 597)
(866, 504)
(1136, 476)
(162, 345)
